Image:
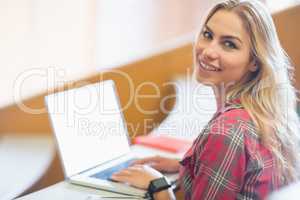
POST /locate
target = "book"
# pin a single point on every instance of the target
(167, 143)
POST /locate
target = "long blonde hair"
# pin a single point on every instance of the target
(268, 94)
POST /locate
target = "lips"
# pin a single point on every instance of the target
(208, 67)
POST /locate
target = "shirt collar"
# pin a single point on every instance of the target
(230, 104)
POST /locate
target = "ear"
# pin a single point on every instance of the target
(253, 66)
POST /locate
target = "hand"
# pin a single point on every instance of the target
(138, 176)
(160, 163)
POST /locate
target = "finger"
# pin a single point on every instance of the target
(135, 168)
(141, 161)
(119, 177)
(139, 168)
(123, 172)
(125, 178)
(156, 166)
(146, 160)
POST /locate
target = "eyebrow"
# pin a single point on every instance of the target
(225, 36)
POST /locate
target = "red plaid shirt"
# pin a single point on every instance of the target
(228, 161)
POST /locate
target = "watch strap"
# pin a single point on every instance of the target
(158, 185)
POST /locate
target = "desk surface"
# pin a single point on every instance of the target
(291, 192)
(65, 190)
(33, 153)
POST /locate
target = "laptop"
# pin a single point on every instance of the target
(91, 136)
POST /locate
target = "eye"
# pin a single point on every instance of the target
(207, 35)
(230, 45)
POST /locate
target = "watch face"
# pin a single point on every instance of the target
(159, 183)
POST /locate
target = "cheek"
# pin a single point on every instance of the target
(198, 50)
(235, 66)
(235, 60)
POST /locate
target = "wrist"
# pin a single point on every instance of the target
(176, 165)
(164, 194)
(158, 185)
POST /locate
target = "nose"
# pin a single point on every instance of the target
(210, 53)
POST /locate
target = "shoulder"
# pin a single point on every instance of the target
(231, 121)
(224, 139)
(236, 126)
(235, 114)
(231, 128)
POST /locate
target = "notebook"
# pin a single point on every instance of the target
(167, 143)
(91, 136)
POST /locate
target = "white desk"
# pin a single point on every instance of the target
(23, 161)
(291, 192)
(65, 190)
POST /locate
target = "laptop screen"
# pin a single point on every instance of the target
(88, 125)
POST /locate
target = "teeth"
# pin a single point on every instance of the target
(207, 67)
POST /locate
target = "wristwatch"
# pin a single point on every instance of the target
(158, 185)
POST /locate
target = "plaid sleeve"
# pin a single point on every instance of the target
(221, 165)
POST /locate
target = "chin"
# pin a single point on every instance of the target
(204, 81)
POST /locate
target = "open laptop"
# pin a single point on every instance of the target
(91, 135)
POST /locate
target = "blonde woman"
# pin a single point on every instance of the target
(250, 147)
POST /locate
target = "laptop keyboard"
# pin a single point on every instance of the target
(106, 174)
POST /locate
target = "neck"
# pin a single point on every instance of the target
(220, 95)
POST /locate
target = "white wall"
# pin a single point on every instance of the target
(37, 34)
(80, 37)
(137, 28)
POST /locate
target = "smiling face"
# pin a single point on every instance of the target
(222, 52)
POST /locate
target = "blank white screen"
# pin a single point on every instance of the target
(89, 126)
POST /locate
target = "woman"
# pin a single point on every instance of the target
(249, 148)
